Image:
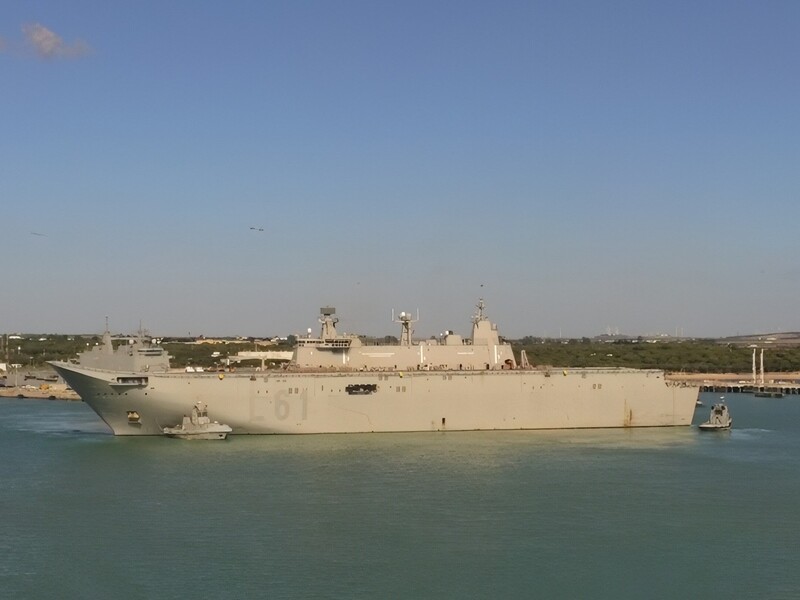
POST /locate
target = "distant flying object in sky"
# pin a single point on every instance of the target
(39, 234)
(257, 228)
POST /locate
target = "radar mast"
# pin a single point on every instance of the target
(405, 319)
(480, 316)
(328, 322)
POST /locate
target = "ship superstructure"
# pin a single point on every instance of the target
(484, 351)
(135, 354)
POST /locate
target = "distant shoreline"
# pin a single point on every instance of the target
(34, 393)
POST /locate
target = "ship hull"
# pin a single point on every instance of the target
(359, 402)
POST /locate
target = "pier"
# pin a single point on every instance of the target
(760, 384)
(776, 390)
(56, 392)
(774, 385)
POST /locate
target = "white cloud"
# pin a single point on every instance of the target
(49, 44)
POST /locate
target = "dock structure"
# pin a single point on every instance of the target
(39, 393)
(759, 385)
(770, 390)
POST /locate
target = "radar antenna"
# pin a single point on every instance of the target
(405, 319)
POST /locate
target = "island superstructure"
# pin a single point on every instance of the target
(337, 384)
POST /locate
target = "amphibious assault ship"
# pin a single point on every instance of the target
(337, 384)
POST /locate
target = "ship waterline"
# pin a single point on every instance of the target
(337, 385)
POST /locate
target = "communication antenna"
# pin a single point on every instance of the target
(481, 315)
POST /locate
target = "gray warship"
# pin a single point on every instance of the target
(335, 383)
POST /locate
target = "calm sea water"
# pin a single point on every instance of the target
(661, 513)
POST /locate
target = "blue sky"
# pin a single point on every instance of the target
(582, 165)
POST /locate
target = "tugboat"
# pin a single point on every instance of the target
(198, 427)
(718, 420)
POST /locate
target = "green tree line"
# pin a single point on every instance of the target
(688, 356)
(704, 356)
